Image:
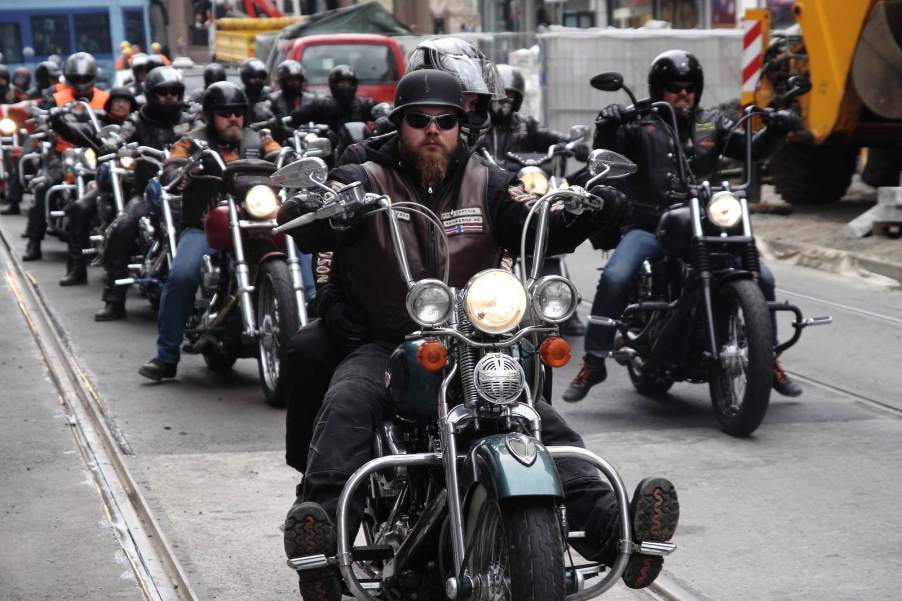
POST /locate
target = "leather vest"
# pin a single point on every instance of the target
(370, 271)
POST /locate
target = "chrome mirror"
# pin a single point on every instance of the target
(610, 164)
(308, 172)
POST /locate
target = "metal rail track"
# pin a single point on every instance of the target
(157, 571)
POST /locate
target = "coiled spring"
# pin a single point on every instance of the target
(466, 359)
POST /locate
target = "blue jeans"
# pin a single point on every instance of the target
(307, 275)
(177, 300)
(610, 296)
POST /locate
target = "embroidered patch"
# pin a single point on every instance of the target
(463, 221)
(402, 215)
(704, 126)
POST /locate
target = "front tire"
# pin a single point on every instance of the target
(277, 318)
(813, 175)
(515, 549)
(740, 383)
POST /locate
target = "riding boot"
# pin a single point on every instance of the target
(76, 272)
(11, 209)
(113, 302)
(32, 250)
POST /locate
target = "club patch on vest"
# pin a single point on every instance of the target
(704, 126)
(463, 221)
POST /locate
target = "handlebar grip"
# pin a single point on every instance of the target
(296, 222)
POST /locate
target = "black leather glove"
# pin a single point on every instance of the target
(610, 115)
(352, 218)
(785, 121)
(581, 152)
(296, 206)
(614, 204)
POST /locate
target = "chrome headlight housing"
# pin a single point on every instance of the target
(261, 202)
(429, 302)
(534, 180)
(724, 210)
(495, 301)
(8, 126)
(554, 298)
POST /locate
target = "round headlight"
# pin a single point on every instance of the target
(554, 298)
(495, 301)
(261, 202)
(534, 180)
(90, 158)
(724, 210)
(127, 162)
(7, 126)
(429, 302)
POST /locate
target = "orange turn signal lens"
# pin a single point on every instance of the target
(69, 178)
(432, 355)
(555, 352)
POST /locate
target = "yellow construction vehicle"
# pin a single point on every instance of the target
(851, 51)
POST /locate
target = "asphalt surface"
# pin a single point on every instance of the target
(803, 509)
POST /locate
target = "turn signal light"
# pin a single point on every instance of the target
(432, 355)
(555, 352)
(69, 178)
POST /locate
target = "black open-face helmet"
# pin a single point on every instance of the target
(253, 74)
(212, 73)
(514, 84)
(427, 87)
(158, 80)
(46, 74)
(675, 66)
(154, 61)
(343, 83)
(223, 95)
(140, 67)
(475, 72)
(121, 92)
(288, 69)
(81, 72)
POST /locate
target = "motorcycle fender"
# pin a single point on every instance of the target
(738, 274)
(273, 255)
(515, 465)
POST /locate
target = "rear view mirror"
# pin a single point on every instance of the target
(305, 173)
(610, 165)
(610, 81)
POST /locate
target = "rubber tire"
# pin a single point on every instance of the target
(534, 545)
(277, 274)
(219, 363)
(760, 342)
(805, 174)
(883, 167)
(648, 384)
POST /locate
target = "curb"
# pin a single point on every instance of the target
(828, 259)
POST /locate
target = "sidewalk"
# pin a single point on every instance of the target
(813, 236)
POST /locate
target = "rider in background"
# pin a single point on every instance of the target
(676, 77)
(213, 72)
(253, 77)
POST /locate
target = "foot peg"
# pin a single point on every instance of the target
(311, 562)
(653, 548)
(815, 321)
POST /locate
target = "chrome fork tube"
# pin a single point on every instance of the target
(242, 273)
(115, 172)
(170, 226)
(297, 280)
(452, 481)
(538, 252)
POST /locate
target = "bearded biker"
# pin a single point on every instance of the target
(428, 162)
(226, 132)
(675, 77)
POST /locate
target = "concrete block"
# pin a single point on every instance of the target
(887, 212)
(890, 196)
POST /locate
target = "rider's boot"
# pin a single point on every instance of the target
(32, 250)
(11, 209)
(157, 369)
(76, 271)
(783, 384)
(113, 302)
(655, 512)
(309, 531)
(591, 372)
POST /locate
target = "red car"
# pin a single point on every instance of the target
(376, 58)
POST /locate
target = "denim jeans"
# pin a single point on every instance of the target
(177, 300)
(307, 275)
(610, 296)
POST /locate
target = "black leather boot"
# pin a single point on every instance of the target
(11, 209)
(76, 272)
(111, 311)
(32, 250)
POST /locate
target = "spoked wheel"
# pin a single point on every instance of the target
(277, 319)
(514, 549)
(740, 383)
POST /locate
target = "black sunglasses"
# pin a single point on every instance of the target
(422, 120)
(226, 113)
(76, 79)
(675, 87)
(168, 92)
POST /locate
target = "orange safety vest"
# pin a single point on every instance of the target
(67, 95)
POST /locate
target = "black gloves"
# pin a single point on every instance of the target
(785, 121)
(614, 204)
(581, 152)
(296, 206)
(610, 115)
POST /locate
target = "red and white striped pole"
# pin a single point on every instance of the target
(756, 33)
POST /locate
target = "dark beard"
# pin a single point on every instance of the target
(432, 167)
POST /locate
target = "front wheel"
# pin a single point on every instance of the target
(514, 549)
(277, 318)
(740, 382)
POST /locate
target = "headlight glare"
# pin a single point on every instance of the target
(7, 126)
(724, 210)
(90, 158)
(554, 298)
(534, 180)
(127, 162)
(429, 302)
(261, 202)
(495, 301)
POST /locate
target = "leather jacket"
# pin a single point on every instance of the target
(518, 134)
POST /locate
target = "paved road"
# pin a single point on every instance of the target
(804, 509)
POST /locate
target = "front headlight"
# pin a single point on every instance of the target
(7, 126)
(495, 301)
(90, 158)
(724, 210)
(534, 180)
(127, 162)
(554, 298)
(429, 302)
(261, 202)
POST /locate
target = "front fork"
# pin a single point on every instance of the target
(242, 273)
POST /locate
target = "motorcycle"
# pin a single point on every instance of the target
(10, 147)
(462, 493)
(697, 314)
(234, 318)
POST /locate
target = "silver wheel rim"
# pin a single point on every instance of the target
(734, 362)
(268, 339)
(489, 564)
